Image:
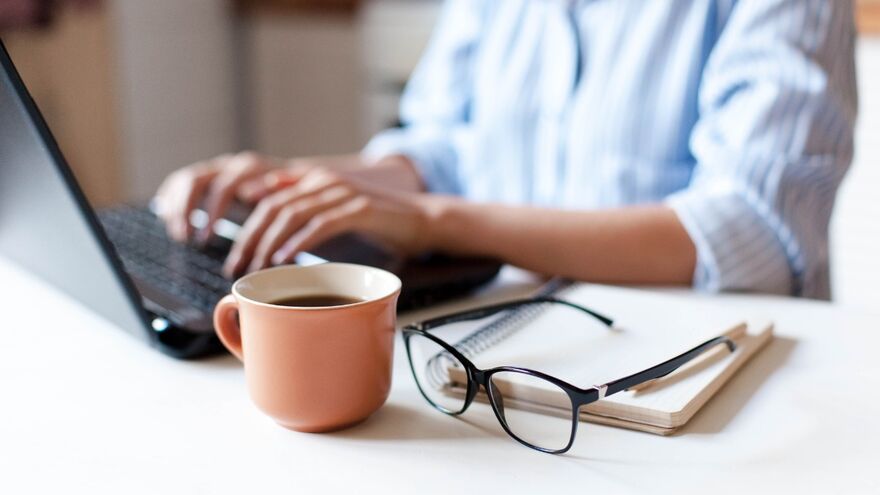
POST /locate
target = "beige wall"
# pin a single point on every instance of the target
(69, 73)
(324, 82)
(176, 70)
(303, 84)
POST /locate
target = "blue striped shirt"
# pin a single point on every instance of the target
(737, 114)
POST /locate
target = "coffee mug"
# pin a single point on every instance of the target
(313, 368)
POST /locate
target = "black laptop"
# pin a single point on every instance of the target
(120, 262)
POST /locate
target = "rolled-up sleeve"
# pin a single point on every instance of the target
(774, 139)
(436, 103)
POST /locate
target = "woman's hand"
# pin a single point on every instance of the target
(214, 183)
(317, 204)
(250, 177)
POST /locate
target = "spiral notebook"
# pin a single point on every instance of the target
(650, 327)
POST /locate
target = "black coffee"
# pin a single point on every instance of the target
(314, 300)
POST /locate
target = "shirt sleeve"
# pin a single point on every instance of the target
(436, 103)
(773, 141)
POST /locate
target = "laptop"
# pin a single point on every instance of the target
(120, 262)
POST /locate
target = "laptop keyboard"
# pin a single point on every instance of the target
(191, 275)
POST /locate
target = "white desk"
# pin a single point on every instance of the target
(84, 407)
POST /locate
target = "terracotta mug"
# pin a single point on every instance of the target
(313, 368)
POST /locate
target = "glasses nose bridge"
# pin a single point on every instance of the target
(479, 377)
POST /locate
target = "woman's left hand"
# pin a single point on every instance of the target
(323, 204)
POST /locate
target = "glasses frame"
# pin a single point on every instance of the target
(579, 397)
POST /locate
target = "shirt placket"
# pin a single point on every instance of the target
(561, 69)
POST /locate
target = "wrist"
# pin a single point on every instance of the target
(394, 172)
(439, 221)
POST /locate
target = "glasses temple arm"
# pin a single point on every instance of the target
(667, 367)
(483, 312)
(608, 322)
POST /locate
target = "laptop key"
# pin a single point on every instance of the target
(191, 277)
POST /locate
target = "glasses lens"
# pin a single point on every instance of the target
(440, 375)
(516, 397)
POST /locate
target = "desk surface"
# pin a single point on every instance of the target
(85, 406)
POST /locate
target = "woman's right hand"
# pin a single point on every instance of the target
(214, 183)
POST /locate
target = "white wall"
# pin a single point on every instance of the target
(855, 229)
(394, 33)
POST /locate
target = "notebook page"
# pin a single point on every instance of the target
(650, 327)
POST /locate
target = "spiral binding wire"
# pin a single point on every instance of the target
(508, 323)
(437, 370)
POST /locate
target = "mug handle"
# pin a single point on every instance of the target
(226, 325)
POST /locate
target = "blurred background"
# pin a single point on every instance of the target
(133, 89)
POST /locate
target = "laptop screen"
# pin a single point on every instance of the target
(46, 224)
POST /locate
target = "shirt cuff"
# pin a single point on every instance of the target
(736, 248)
(433, 157)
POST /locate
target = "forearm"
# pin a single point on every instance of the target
(644, 244)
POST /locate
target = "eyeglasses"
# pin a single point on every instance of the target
(449, 381)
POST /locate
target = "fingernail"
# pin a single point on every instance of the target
(279, 257)
(283, 253)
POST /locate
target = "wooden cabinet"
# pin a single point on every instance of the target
(69, 72)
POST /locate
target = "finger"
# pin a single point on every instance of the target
(250, 233)
(293, 217)
(257, 188)
(344, 218)
(223, 189)
(185, 196)
(163, 196)
(246, 241)
(160, 198)
(159, 203)
(256, 225)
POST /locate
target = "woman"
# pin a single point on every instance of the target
(672, 142)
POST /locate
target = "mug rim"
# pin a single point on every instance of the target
(398, 284)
